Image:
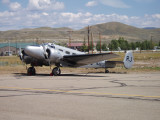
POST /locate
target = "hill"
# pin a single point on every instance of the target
(114, 30)
(109, 31)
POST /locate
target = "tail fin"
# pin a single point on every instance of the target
(128, 60)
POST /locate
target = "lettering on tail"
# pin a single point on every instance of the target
(129, 59)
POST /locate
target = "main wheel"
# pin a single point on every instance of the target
(31, 71)
(56, 71)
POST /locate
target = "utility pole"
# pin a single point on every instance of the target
(92, 41)
(100, 41)
(88, 37)
(151, 37)
(70, 38)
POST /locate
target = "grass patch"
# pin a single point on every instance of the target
(10, 61)
(10, 64)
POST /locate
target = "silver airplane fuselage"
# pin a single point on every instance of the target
(47, 54)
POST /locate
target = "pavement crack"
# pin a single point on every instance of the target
(120, 83)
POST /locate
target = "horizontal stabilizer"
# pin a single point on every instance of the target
(128, 61)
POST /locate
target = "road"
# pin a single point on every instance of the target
(91, 96)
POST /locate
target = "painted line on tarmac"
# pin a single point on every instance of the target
(79, 92)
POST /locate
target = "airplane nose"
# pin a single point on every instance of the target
(33, 51)
(29, 50)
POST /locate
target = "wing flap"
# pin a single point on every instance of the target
(85, 59)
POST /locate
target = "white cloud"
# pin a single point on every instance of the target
(114, 3)
(6, 14)
(156, 16)
(88, 14)
(29, 19)
(34, 16)
(15, 6)
(91, 3)
(44, 13)
(45, 5)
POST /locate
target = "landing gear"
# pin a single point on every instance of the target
(56, 71)
(31, 71)
(106, 71)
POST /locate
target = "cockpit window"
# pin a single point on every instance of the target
(52, 46)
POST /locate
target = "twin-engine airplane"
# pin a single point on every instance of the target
(51, 54)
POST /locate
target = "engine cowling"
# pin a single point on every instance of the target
(53, 55)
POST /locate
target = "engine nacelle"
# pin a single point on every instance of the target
(54, 56)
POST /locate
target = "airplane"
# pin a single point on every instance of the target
(48, 54)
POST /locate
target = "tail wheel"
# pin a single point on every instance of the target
(56, 71)
(106, 71)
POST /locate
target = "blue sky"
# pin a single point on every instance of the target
(76, 14)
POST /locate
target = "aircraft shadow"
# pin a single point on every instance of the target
(74, 75)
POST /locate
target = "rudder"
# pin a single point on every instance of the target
(128, 60)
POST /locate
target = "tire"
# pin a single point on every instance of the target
(31, 71)
(56, 71)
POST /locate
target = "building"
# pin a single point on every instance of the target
(12, 48)
(77, 46)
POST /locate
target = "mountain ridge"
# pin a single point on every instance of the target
(109, 31)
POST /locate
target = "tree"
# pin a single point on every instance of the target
(84, 47)
(138, 44)
(143, 46)
(90, 45)
(133, 45)
(98, 46)
(104, 47)
(113, 45)
(123, 44)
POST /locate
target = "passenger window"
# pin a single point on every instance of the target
(61, 50)
(53, 47)
(67, 52)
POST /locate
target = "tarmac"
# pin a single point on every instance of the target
(93, 96)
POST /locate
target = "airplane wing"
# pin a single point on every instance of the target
(85, 59)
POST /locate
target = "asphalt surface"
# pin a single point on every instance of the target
(80, 97)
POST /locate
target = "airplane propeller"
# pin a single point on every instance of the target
(46, 54)
(20, 54)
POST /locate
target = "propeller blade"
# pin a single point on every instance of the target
(45, 52)
(20, 53)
